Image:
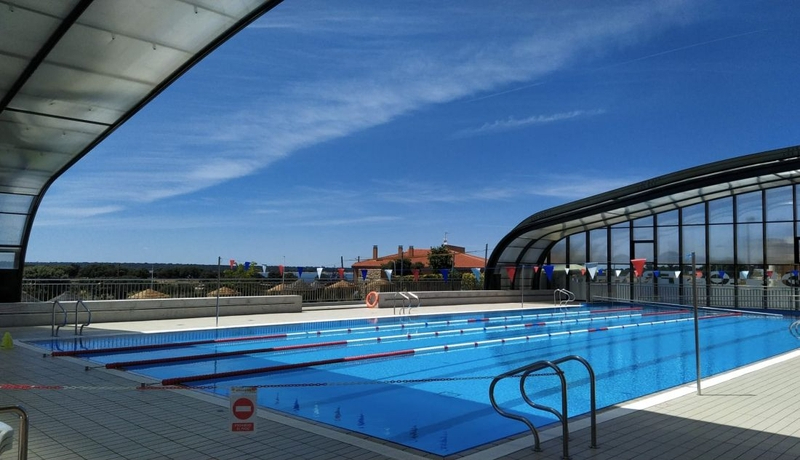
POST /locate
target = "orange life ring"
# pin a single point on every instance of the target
(372, 299)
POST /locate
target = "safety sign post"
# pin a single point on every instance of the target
(243, 409)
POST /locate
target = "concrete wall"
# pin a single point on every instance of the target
(103, 311)
(40, 313)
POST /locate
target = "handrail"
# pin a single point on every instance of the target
(53, 328)
(88, 318)
(78, 331)
(22, 447)
(419, 302)
(562, 416)
(562, 297)
(794, 329)
(402, 302)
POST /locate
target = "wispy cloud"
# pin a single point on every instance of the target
(512, 123)
(369, 86)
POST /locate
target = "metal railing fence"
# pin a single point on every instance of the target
(38, 290)
(732, 296)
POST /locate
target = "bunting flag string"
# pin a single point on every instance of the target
(638, 266)
(363, 274)
(511, 271)
(548, 270)
(592, 268)
(341, 272)
(319, 272)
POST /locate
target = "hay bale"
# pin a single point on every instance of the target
(148, 294)
(224, 291)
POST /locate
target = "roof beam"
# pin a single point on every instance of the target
(37, 60)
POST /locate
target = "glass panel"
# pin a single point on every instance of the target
(8, 260)
(643, 251)
(11, 226)
(643, 234)
(720, 244)
(779, 204)
(598, 245)
(748, 207)
(621, 246)
(15, 203)
(694, 240)
(577, 249)
(720, 211)
(643, 222)
(668, 218)
(695, 214)
(781, 275)
(780, 243)
(558, 255)
(668, 251)
(749, 245)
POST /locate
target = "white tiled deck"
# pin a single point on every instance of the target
(101, 414)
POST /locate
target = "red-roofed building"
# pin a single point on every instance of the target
(461, 260)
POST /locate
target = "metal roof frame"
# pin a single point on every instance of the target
(71, 73)
(531, 240)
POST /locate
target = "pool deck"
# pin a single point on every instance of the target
(751, 413)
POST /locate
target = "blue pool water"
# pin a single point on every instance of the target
(436, 400)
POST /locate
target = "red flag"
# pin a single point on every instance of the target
(341, 272)
(638, 266)
(536, 269)
(415, 272)
(511, 272)
(280, 269)
(232, 262)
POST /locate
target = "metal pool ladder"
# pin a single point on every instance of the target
(22, 447)
(55, 327)
(562, 297)
(794, 329)
(406, 297)
(524, 372)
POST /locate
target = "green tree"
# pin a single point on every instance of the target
(440, 257)
(398, 266)
(46, 272)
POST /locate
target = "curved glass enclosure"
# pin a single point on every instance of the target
(739, 222)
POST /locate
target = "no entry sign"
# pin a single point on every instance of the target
(243, 409)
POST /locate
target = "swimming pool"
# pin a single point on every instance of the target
(422, 381)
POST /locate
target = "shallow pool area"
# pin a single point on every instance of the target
(422, 381)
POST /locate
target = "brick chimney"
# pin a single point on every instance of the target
(411, 252)
(375, 251)
(400, 251)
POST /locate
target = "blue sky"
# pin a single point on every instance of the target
(325, 128)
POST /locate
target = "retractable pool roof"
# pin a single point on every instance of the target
(73, 71)
(530, 241)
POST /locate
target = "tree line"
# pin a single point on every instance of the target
(117, 270)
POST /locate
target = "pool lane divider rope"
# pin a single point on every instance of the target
(409, 336)
(157, 346)
(412, 351)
